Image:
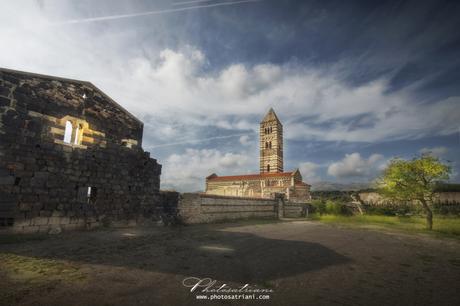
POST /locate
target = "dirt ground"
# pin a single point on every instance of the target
(301, 262)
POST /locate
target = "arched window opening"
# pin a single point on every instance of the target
(266, 145)
(68, 132)
(77, 134)
(270, 145)
(271, 130)
(268, 168)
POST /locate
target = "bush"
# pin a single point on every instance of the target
(333, 208)
(392, 209)
(319, 206)
(447, 209)
(337, 208)
(340, 196)
(330, 207)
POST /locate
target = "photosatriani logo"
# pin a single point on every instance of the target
(209, 289)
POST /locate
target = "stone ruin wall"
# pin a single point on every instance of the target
(203, 208)
(193, 208)
(374, 199)
(44, 182)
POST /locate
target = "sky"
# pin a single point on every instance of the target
(355, 83)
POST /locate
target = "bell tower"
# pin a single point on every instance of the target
(271, 144)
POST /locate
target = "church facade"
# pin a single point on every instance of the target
(271, 179)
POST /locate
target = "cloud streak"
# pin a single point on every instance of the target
(197, 140)
(150, 13)
(189, 2)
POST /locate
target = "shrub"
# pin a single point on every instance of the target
(392, 209)
(337, 208)
(332, 208)
(319, 206)
(446, 208)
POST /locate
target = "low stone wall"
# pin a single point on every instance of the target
(295, 210)
(186, 208)
(201, 208)
(448, 197)
(204, 208)
(58, 223)
(374, 199)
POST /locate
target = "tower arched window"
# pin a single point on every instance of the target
(266, 145)
(268, 168)
(270, 145)
(271, 130)
(68, 132)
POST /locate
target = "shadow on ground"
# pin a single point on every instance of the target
(195, 251)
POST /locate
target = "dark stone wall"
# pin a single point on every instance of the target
(44, 182)
(59, 97)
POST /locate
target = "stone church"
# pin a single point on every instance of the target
(70, 157)
(272, 178)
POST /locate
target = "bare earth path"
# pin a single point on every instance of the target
(303, 262)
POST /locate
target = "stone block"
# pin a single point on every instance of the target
(7, 180)
(4, 101)
(30, 229)
(64, 220)
(37, 221)
(55, 220)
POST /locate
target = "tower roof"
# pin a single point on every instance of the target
(271, 115)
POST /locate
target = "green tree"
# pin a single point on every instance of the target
(413, 180)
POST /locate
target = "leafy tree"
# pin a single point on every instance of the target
(414, 180)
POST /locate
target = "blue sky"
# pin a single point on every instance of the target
(355, 83)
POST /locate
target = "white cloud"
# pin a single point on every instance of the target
(353, 165)
(187, 171)
(435, 151)
(177, 95)
(245, 140)
(175, 83)
(308, 171)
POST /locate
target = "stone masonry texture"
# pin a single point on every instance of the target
(204, 208)
(98, 175)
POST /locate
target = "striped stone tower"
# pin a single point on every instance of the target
(271, 144)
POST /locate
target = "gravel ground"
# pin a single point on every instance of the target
(301, 262)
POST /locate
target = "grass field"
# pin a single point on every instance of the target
(443, 226)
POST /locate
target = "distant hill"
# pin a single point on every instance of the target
(329, 186)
